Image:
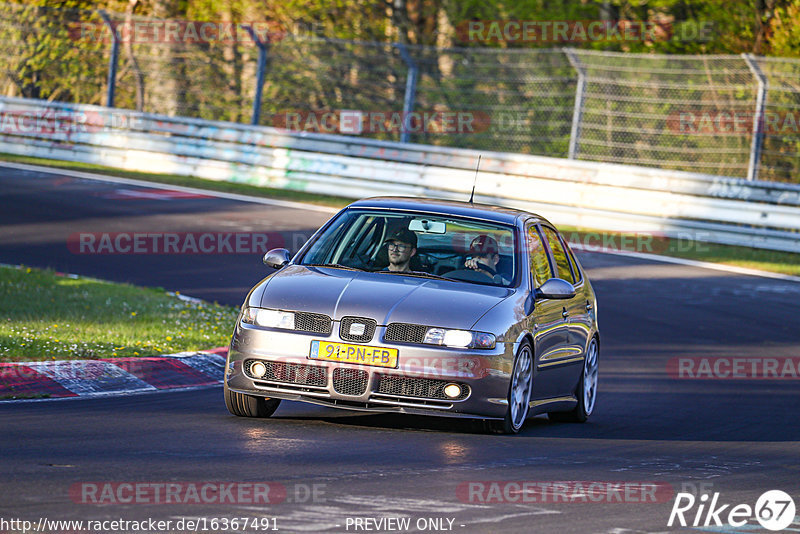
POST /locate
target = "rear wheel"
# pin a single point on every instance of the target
(586, 391)
(519, 392)
(249, 405)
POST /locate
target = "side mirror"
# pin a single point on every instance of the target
(276, 258)
(555, 288)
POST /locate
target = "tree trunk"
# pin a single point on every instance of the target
(138, 76)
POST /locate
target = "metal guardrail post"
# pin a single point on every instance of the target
(112, 61)
(758, 119)
(263, 48)
(577, 111)
(411, 90)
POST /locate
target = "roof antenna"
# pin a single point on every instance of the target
(478, 166)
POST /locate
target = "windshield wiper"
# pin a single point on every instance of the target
(421, 274)
(334, 265)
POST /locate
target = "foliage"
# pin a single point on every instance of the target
(785, 30)
(42, 56)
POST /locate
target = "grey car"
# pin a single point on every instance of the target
(429, 307)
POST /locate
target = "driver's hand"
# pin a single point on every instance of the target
(471, 263)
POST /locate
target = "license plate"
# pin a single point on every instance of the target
(359, 354)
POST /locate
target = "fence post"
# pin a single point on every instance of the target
(411, 90)
(263, 48)
(577, 111)
(112, 61)
(758, 119)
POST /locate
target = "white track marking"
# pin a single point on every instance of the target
(156, 185)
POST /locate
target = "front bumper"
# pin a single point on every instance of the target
(413, 387)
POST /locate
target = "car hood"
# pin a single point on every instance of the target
(387, 298)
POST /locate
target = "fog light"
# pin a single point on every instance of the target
(258, 369)
(452, 390)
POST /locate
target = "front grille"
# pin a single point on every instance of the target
(425, 388)
(312, 322)
(350, 381)
(348, 322)
(405, 333)
(292, 373)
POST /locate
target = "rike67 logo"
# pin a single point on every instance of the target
(774, 510)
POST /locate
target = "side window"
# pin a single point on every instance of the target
(559, 255)
(574, 265)
(540, 266)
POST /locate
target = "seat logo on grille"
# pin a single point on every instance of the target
(357, 329)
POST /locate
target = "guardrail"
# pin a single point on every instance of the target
(577, 193)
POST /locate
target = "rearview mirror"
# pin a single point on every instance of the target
(427, 227)
(555, 288)
(276, 258)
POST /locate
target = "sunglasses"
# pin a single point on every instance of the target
(400, 247)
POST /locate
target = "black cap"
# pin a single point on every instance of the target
(404, 235)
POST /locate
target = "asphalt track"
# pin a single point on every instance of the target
(736, 437)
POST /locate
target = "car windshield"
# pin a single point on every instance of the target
(413, 244)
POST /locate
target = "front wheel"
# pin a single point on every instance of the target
(249, 405)
(519, 392)
(586, 391)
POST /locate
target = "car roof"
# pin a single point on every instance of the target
(448, 207)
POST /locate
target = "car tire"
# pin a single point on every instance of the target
(519, 392)
(249, 405)
(586, 391)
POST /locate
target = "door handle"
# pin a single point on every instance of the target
(564, 313)
(589, 306)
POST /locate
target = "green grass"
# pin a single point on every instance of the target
(187, 181)
(45, 316)
(767, 260)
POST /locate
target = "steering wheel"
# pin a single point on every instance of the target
(468, 275)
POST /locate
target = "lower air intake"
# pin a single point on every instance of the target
(350, 381)
(292, 373)
(422, 388)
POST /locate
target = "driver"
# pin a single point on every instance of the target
(485, 256)
(401, 246)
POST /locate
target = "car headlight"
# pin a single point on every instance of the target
(268, 318)
(465, 339)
